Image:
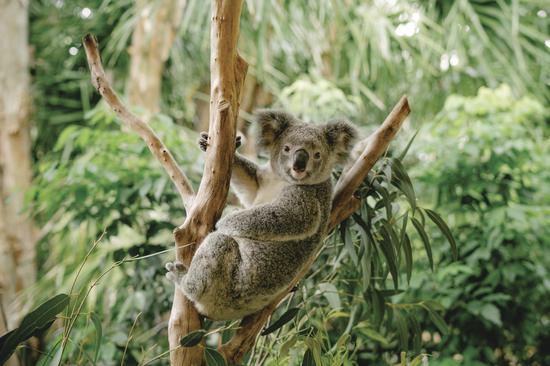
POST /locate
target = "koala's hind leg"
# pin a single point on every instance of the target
(213, 269)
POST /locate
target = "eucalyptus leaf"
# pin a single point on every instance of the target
(193, 338)
(213, 357)
(37, 320)
(434, 216)
(98, 334)
(285, 318)
(420, 229)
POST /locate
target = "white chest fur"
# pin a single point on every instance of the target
(270, 187)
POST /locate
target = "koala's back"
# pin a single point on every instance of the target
(267, 267)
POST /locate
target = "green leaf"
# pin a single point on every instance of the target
(378, 306)
(434, 216)
(213, 357)
(375, 336)
(416, 332)
(417, 360)
(98, 334)
(330, 292)
(407, 249)
(491, 313)
(315, 348)
(403, 330)
(285, 318)
(420, 229)
(401, 180)
(39, 319)
(348, 243)
(437, 320)
(403, 153)
(193, 338)
(387, 250)
(308, 358)
(285, 348)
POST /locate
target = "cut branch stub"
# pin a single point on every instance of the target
(157, 147)
(344, 204)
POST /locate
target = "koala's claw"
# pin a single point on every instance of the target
(203, 141)
(176, 271)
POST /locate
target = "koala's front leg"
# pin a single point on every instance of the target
(244, 178)
(203, 141)
(176, 272)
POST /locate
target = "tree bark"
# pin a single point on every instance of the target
(17, 238)
(154, 34)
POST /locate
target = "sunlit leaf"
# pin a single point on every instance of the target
(330, 292)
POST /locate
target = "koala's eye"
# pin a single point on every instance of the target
(286, 148)
(317, 155)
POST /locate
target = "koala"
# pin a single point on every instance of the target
(254, 253)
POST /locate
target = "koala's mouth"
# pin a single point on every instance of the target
(298, 175)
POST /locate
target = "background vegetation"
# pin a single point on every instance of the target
(386, 289)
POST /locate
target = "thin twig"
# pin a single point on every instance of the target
(130, 336)
(157, 147)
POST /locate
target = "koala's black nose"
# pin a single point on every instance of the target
(300, 160)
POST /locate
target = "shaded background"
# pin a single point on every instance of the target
(477, 77)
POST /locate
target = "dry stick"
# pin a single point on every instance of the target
(343, 205)
(157, 147)
(228, 71)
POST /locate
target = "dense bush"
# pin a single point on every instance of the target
(485, 158)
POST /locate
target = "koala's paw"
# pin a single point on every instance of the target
(176, 271)
(203, 141)
(238, 141)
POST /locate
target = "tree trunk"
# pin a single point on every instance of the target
(155, 31)
(17, 238)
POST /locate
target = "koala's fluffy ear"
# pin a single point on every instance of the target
(272, 124)
(341, 136)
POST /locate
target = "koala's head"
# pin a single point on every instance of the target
(303, 153)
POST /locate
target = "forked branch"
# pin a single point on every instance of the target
(343, 205)
(157, 147)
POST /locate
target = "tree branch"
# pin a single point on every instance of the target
(343, 205)
(378, 143)
(227, 74)
(157, 147)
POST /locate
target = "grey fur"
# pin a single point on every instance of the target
(255, 253)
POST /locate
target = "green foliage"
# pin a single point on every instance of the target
(351, 307)
(102, 181)
(33, 324)
(486, 157)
